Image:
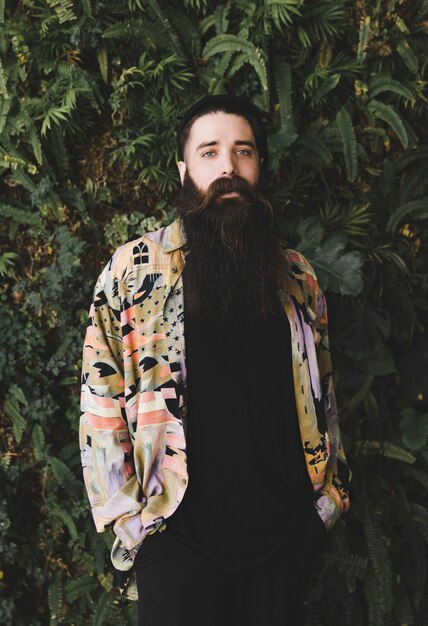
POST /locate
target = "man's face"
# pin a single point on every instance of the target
(220, 145)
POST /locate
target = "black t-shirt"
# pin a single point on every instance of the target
(249, 487)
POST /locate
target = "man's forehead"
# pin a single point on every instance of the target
(219, 125)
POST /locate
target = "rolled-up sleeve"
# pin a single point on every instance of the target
(105, 443)
(333, 499)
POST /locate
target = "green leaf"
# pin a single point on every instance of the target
(14, 398)
(418, 208)
(365, 331)
(363, 37)
(327, 85)
(18, 420)
(388, 114)
(349, 142)
(63, 10)
(166, 26)
(38, 440)
(336, 270)
(55, 599)
(283, 84)
(415, 428)
(221, 18)
(67, 520)
(408, 56)
(63, 474)
(379, 363)
(7, 262)
(102, 57)
(78, 587)
(384, 448)
(317, 146)
(381, 84)
(232, 43)
(355, 400)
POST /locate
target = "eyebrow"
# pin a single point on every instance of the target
(238, 142)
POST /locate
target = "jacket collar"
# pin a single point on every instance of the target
(171, 237)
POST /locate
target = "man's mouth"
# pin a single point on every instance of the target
(230, 194)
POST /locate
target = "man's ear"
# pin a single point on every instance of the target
(182, 170)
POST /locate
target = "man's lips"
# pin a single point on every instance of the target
(231, 194)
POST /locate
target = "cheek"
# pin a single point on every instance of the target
(251, 172)
(202, 177)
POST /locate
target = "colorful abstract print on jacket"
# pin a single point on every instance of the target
(134, 397)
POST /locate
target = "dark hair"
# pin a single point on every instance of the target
(227, 104)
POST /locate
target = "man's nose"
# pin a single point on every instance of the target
(228, 166)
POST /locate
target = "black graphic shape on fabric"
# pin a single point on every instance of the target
(126, 329)
(147, 363)
(104, 369)
(140, 254)
(100, 299)
(146, 287)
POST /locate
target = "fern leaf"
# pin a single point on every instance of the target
(376, 542)
(221, 18)
(282, 72)
(78, 587)
(186, 30)
(14, 398)
(408, 56)
(55, 600)
(380, 84)
(86, 5)
(18, 215)
(5, 104)
(357, 398)
(237, 63)
(67, 521)
(102, 57)
(388, 114)
(347, 135)
(317, 146)
(63, 10)
(38, 440)
(63, 474)
(3, 88)
(232, 43)
(419, 209)
(56, 115)
(363, 38)
(387, 449)
(101, 612)
(167, 28)
(34, 140)
(224, 64)
(18, 421)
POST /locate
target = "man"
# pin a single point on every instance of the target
(209, 429)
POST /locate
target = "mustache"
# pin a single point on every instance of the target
(225, 185)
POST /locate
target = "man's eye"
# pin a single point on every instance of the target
(245, 151)
(208, 153)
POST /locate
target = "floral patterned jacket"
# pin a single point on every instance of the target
(134, 397)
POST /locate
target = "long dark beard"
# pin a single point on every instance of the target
(234, 263)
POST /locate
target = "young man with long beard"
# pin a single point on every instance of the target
(209, 430)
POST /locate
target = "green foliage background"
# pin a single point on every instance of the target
(90, 93)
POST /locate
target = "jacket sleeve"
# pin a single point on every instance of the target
(333, 498)
(105, 443)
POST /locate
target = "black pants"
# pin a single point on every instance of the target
(177, 587)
